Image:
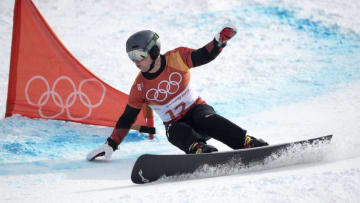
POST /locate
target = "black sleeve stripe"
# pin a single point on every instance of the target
(203, 56)
(128, 117)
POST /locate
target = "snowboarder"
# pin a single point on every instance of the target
(164, 84)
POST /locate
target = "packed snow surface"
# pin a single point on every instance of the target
(292, 72)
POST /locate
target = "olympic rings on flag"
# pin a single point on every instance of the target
(70, 100)
(171, 87)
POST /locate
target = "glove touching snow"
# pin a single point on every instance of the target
(106, 150)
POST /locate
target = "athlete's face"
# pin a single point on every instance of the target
(143, 65)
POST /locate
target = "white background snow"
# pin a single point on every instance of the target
(292, 72)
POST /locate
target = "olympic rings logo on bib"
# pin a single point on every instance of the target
(165, 88)
(64, 105)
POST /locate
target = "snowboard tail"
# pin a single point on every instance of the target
(151, 167)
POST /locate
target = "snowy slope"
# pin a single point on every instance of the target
(292, 72)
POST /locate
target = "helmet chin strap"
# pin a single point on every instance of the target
(151, 66)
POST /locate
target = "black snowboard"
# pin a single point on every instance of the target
(150, 167)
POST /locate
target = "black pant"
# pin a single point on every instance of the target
(202, 123)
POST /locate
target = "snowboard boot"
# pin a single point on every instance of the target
(201, 147)
(251, 142)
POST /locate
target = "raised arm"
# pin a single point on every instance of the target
(210, 51)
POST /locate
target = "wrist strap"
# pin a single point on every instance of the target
(112, 143)
(146, 129)
(219, 44)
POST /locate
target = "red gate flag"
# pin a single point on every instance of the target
(46, 81)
